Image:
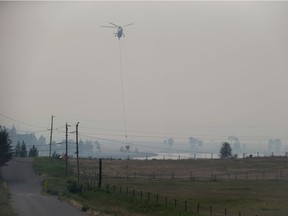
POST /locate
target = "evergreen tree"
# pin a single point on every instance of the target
(98, 145)
(17, 150)
(225, 150)
(33, 152)
(23, 152)
(6, 152)
(41, 140)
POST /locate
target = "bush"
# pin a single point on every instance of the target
(73, 187)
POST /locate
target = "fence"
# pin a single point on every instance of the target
(128, 175)
(213, 176)
(184, 207)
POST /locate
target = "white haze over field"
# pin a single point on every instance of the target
(207, 70)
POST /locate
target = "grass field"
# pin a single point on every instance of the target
(256, 186)
(5, 208)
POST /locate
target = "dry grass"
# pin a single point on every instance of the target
(264, 168)
(254, 186)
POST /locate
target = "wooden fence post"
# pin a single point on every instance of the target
(210, 210)
(185, 206)
(100, 174)
(198, 208)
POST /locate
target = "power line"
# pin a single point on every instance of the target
(21, 122)
(152, 134)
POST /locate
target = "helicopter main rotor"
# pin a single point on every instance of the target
(119, 32)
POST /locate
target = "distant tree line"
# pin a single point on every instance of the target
(21, 150)
(195, 144)
(29, 138)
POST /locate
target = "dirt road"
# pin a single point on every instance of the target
(25, 188)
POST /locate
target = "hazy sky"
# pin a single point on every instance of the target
(199, 68)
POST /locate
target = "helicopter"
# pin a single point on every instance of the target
(119, 32)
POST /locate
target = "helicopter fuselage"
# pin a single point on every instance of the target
(119, 33)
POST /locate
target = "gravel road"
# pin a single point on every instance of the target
(25, 188)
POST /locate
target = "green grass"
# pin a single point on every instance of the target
(5, 207)
(263, 196)
(110, 203)
(249, 197)
(51, 171)
(52, 167)
(97, 200)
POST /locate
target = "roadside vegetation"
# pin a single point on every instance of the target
(6, 153)
(253, 186)
(5, 207)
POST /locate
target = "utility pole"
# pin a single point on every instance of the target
(66, 156)
(77, 152)
(51, 131)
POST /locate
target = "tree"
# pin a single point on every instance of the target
(33, 152)
(23, 152)
(225, 150)
(170, 142)
(6, 152)
(97, 145)
(194, 143)
(17, 150)
(122, 149)
(235, 143)
(42, 140)
(274, 145)
(86, 148)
